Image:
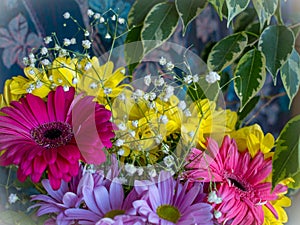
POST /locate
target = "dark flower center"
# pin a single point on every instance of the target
(111, 214)
(52, 135)
(237, 184)
(168, 212)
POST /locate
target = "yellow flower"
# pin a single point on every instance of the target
(7, 96)
(279, 204)
(102, 81)
(35, 82)
(65, 71)
(207, 121)
(253, 139)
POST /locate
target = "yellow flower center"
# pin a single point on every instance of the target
(168, 212)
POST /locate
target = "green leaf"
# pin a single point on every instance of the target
(235, 7)
(290, 75)
(203, 90)
(278, 14)
(250, 76)
(189, 10)
(226, 51)
(277, 43)
(286, 157)
(296, 184)
(242, 114)
(133, 48)
(265, 10)
(159, 25)
(139, 11)
(244, 19)
(295, 29)
(218, 5)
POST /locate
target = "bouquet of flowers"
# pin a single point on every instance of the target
(145, 137)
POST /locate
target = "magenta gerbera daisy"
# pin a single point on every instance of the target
(53, 136)
(168, 202)
(241, 189)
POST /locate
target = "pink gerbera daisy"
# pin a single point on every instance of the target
(240, 187)
(53, 136)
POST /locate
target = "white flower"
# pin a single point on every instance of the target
(88, 66)
(135, 123)
(140, 171)
(66, 88)
(151, 170)
(75, 80)
(67, 42)
(38, 84)
(164, 119)
(122, 126)
(96, 16)
(93, 85)
(113, 18)
(86, 33)
(30, 88)
(107, 36)
(162, 61)
(159, 82)
(217, 214)
(170, 66)
(132, 133)
(195, 78)
(188, 79)
(26, 61)
(121, 152)
(169, 160)
(90, 13)
(147, 79)
(212, 77)
(122, 97)
(12, 198)
(101, 19)
(158, 139)
(44, 51)
(146, 96)
(47, 40)
(182, 105)
(121, 20)
(213, 198)
(86, 44)
(152, 96)
(130, 168)
(66, 15)
(187, 113)
(45, 62)
(119, 142)
(73, 41)
(107, 91)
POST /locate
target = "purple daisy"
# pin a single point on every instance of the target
(169, 202)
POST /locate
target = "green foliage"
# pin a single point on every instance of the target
(250, 76)
(189, 10)
(290, 75)
(235, 7)
(10, 217)
(277, 43)
(226, 51)
(286, 162)
(159, 25)
(218, 5)
(265, 10)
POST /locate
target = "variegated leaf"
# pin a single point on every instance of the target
(250, 76)
(265, 10)
(235, 7)
(139, 11)
(226, 51)
(218, 5)
(286, 161)
(189, 10)
(277, 43)
(159, 25)
(290, 75)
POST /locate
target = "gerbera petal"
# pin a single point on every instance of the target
(116, 195)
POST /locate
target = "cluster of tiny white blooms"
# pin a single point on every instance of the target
(101, 19)
(163, 119)
(182, 105)
(137, 94)
(121, 20)
(119, 142)
(188, 79)
(86, 33)
(135, 123)
(162, 61)
(47, 40)
(30, 89)
(44, 51)
(90, 13)
(212, 77)
(169, 91)
(122, 126)
(140, 171)
(67, 42)
(113, 18)
(169, 161)
(107, 36)
(159, 82)
(121, 152)
(130, 169)
(170, 66)
(12, 198)
(26, 61)
(107, 91)
(195, 78)
(158, 139)
(151, 170)
(147, 80)
(88, 66)
(217, 214)
(213, 198)
(67, 15)
(187, 113)
(86, 44)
